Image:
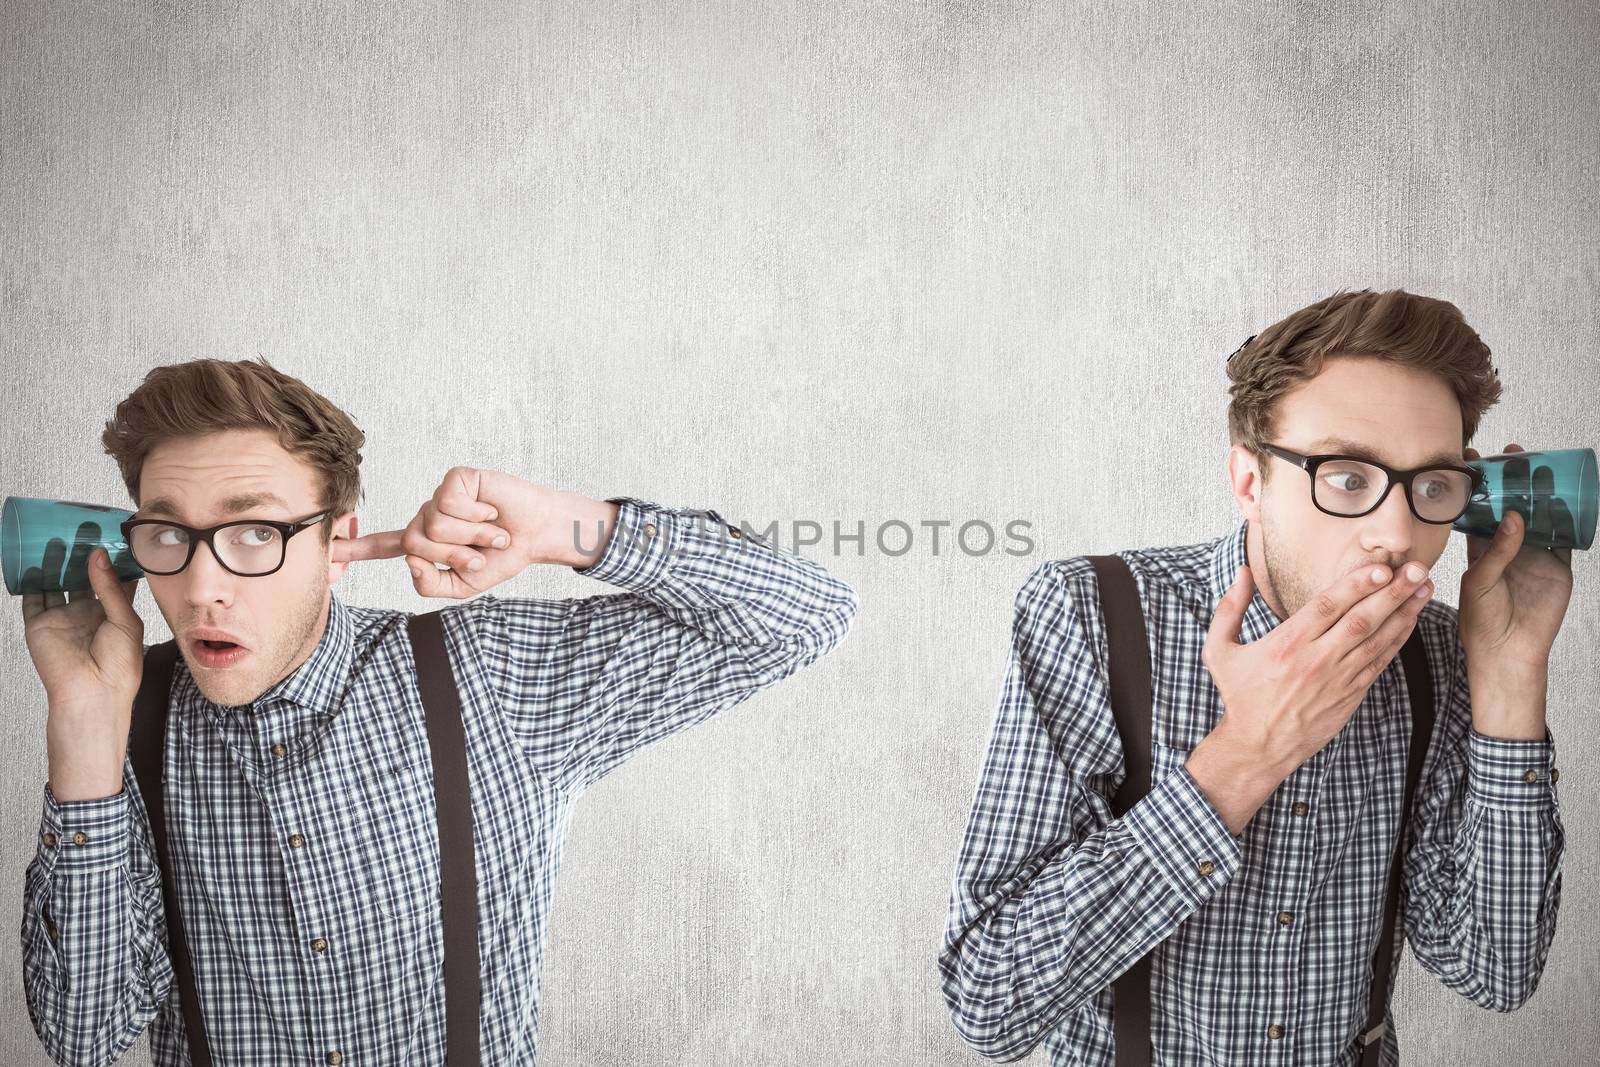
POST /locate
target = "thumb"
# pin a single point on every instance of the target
(1228, 619)
(1503, 548)
(115, 600)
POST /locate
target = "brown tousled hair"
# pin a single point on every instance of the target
(1395, 326)
(206, 396)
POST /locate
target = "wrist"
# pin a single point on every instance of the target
(71, 783)
(85, 751)
(1509, 705)
(577, 532)
(1234, 775)
(1253, 758)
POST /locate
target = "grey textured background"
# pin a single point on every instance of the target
(803, 261)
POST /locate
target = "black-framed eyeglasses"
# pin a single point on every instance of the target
(1350, 487)
(252, 548)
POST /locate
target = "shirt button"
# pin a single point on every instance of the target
(48, 838)
(1555, 775)
(296, 841)
(1300, 808)
(80, 838)
(278, 749)
(1206, 867)
(1274, 1031)
(334, 1058)
(1531, 776)
(319, 945)
(1285, 918)
(649, 529)
(734, 531)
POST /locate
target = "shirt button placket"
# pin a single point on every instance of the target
(1281, 990)
(1282, 987)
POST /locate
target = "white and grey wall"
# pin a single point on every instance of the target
(798, 262)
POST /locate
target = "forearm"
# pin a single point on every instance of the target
(89, 972)
(700, 621)
(1485, 898)
(1054, 932)
(707, 575)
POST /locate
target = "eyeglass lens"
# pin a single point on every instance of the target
(1350, 487)
(161, 549)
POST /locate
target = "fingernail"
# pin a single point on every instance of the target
(1379, 574)
(500, 541)
(476, 564)
(415, 573)
(1422, 590)
(101, 560)
(1415, 573)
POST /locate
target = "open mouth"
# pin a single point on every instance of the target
(210, 653)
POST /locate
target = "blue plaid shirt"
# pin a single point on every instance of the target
(302, 825)
(1270, 932)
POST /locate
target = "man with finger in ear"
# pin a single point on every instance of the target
(1234, 911)
(300, 786)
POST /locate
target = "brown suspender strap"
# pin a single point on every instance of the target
(145, 749)
(1132, 706)
(458, 883)
(1129, 668)
(1419, 684)
(458, 877)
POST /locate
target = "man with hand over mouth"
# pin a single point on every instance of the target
(1234, 912)
(301, 779)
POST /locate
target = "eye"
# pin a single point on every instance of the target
(1344, 480)
(256, 536)
(1433, 488)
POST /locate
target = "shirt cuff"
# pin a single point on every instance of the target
(1184, 837)
(83, 835)
(1511, 773)
(649, 536)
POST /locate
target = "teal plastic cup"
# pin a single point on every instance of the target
(45, 544)
(1557, 493)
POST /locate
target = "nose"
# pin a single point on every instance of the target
(1389, 527)
(206, 580)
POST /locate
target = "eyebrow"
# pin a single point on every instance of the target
(231, 506)
(1361, 451)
